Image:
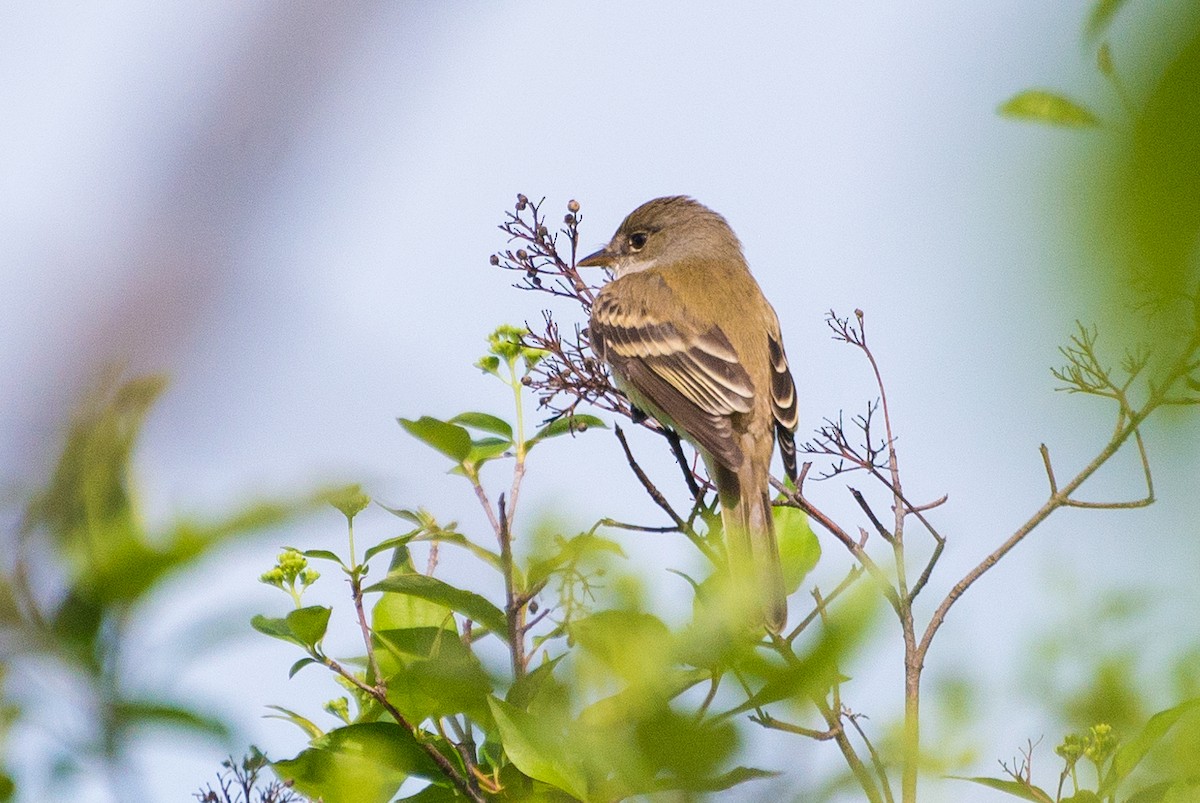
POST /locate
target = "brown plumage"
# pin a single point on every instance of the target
(692, 341)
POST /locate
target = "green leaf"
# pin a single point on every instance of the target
(432, 794)
(564, 425)
(458, 539)
(296, 667)
(1102, 14)
(322, 554)
(1015, 788)
(635, 646)
(1042, 106)
(361, 763)
(411, 516)
(431, 673)
(1154, 793)
(537, 750)
(485, 423)
(303, 723)
(799, 549)
(449, 439)
(720, 783)
(308, 624)
(389, 543)
(487, 449)
(467, 603)
(276, 628)
(528, 687)
(1083, 796)
(1131, 752)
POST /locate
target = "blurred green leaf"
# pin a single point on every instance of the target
(537, 750)
(1083, 796)
(569, 552)
(1158, 792)
(1015, 788)
(567, 424)
(1132, 751)
(634, 646)
(349, 499)
(431, 589)
(449, 439)
(131, 713)
(361, 763)
(529, 686)
(303, 723)
(485, 423)
(846, 627)
(1042, 106)
(720, 783)
(8, 789)
(799, 549)
(1102, 14)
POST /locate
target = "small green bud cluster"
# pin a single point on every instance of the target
(507, 343)
(350, 500)
(340, 708)
(1102, 743)
(291, 568)
(1097, 746)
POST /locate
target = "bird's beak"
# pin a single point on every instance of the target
(600, 259)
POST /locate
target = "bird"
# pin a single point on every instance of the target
(691, 340)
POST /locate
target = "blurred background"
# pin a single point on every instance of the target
(287, 210)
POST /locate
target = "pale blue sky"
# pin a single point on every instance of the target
(289, 208)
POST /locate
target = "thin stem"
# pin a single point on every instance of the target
(876, 759)
(514, 608)
(820, 608)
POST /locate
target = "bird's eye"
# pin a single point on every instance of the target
(637, 240)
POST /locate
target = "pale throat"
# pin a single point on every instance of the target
(625, 267)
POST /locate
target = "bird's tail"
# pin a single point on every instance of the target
(750, 540)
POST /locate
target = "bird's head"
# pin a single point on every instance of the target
(666, 231)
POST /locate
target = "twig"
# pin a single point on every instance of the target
(819, 609)
(876, 759)
(514, 609)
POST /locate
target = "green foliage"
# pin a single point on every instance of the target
(360, 763)
(1112, 762)
(468, 603)
(1137, 218)
(97, 563)
(1043, 106)
(598, 703)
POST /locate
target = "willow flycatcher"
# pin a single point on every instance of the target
(692, 341)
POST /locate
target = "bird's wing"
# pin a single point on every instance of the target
(783, 402)
(691, 374)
